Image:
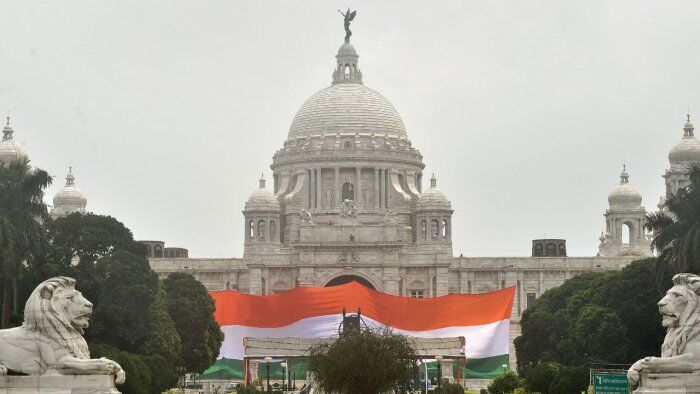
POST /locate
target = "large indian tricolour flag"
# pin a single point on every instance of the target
(316, 312)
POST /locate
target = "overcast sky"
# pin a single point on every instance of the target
(525, 110)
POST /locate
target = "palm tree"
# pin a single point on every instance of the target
(677, 230)
(22, 217)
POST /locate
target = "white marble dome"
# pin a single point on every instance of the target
(433, 198)
(624, 194)
(69, 199)
(262, 199)
(347, 108)
(10, 150)
(687, 149)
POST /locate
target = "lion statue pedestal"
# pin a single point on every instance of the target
(48, 354)
(58, 384)
(669, 383)
(678, 368)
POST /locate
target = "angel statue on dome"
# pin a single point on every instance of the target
(349, 16)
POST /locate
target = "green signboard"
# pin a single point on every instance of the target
(610, 382)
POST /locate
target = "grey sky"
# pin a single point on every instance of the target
(525, 110)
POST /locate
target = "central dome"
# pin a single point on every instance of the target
(347, 108)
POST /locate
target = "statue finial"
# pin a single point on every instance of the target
(349, 16)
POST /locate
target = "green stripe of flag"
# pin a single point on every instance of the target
(230, 369)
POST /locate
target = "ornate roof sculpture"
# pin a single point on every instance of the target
(10, 150)
(69, 199)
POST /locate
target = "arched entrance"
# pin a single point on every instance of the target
(343, 279)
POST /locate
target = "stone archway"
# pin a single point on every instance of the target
(343, 279)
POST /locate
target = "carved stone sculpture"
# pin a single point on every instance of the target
(348, 209)
(50, 340)
(305, 216)
(677, 368)
(390, 216)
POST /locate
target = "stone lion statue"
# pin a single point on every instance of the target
(680, 314)
(50, 340)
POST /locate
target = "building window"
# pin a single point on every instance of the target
(261, 231)
(434, 230)
(551, 250)
(157, 251)
(348, 191)
(416, 293)
(530, 299)
(423, 230)
(273, 230)
(539, 250)
(148, 251)
(562, 250)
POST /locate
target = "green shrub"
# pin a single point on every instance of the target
(506, 383)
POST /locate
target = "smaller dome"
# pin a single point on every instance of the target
(624, 194)
(69, 199)
(10, 150)
(347, 50)
(687, 149)
(262, 199)
(434, 198)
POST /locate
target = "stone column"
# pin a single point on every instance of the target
(387, 186)
(442, 281)
(255, 280)
(441, 228)
(309, 181)
(246, 229)
(376, 188)
(358, 187)
(382, 189)
(337, 186)
(319, 187)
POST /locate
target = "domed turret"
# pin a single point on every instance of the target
(69, 199)
(262, 199)
(687, 149)
(10, 150)
(433, 216)
(624, 194)
(262, 214)
(433, 198)
(624, 222)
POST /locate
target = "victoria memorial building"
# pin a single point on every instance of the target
(348, 200)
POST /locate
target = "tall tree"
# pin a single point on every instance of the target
(677, 231)
(86, 238)
(22, 214)
(192, 309)
(130, 298)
